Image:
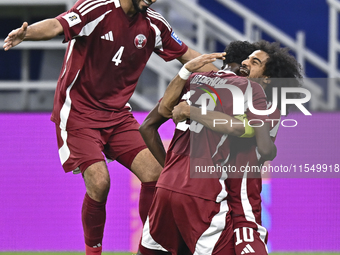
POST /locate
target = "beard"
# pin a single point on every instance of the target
(136, 6)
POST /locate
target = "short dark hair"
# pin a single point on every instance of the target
(281, 67)
(237, 51)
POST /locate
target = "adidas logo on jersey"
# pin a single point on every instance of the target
(108, 36)
(247, 249)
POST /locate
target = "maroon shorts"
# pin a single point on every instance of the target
(78, 149)
(183, 224)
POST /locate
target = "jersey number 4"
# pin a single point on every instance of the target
(117, 58)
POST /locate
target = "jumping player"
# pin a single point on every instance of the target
(109, 44)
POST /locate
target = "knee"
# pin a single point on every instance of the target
(99, 189)
(97, 182)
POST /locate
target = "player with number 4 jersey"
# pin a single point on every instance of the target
(109, 44)
(103, 61)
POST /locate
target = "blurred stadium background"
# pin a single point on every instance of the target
(40, 205)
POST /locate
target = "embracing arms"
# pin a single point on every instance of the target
(265, 145)
(174, 89)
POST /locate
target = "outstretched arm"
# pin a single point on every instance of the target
(149, 132)
(42, 30)
(174, 89)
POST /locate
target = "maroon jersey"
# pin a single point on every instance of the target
(194, 146)
(107, 52)
(245, 186)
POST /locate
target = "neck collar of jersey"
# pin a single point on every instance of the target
(226, 71)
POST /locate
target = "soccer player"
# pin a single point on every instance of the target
(277, 69)
(192, 203)
(244, 196)
(109, 44)
(252, 67)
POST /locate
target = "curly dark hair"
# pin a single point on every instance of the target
(282, 68)
(237, 51)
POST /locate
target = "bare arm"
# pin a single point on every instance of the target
(265, 145)
(174, 89)
(42, 30)
(149, 132)
(183, 111)
(191, 54)
(171, 97)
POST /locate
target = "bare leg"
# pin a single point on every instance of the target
(146, 167)
(97, 181)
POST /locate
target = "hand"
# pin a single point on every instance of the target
(15, 37)
(200, 61)
(181, 112)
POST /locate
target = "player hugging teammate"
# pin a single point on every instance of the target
(196, 213)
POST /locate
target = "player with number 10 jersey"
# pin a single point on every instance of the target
(198, 198)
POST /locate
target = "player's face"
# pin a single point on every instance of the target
(254, 65)
(142, 5)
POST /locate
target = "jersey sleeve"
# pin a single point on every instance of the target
(82, 18)
(167, 45)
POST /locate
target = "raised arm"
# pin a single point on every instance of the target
(149, 132)
(42, 30)
(191, 54)
(174, 89)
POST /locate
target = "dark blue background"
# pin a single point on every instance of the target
(289, 16)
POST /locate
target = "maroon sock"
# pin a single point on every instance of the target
(93, 251)
(145, 199)
(93, 218)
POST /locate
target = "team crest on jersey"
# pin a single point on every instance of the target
(140, 41)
